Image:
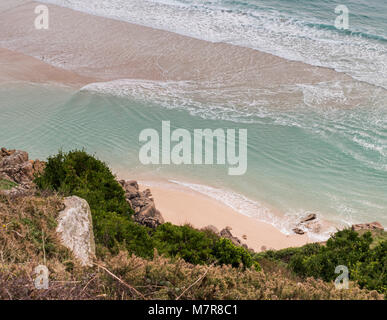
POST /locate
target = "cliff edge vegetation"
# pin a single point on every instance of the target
(134, 261)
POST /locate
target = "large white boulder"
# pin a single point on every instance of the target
(75, 227)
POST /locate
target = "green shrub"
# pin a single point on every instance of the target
(344, 248)
(192, 245)
(367, 263)
(80, 174)
(116, 232)
(200, 247)
(285, 255)
(227, 253)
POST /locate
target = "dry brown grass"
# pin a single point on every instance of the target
(25, 222)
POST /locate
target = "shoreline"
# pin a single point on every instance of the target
(181, 205)
(23, 68)
(139, 52)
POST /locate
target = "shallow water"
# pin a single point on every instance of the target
(300, 30)
(329, 161)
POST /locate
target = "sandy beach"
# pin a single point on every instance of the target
(180, 205)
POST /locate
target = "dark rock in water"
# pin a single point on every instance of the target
(367, 226)
(142, 204)
(309, 217)
(313, 226)
(308, 223)
(298, 231)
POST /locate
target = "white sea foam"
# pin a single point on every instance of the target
(257, 28)
(256, 210)
(364, 127)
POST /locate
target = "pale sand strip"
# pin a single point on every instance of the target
(19, 67)
(109, 49)
(187, 206)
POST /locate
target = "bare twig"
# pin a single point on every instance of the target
(84, 288)
(124, 283)
(21, 236)
(199, 279)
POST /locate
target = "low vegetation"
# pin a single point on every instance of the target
(78, 173)
(28, 238)
(170, 262)
(365, 258)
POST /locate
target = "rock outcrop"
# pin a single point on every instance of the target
(367, 226)
(309, 217)
(16, 167)
(142, 203)
(75, 227)
(298, 231)
(309, 223)
(226, 233)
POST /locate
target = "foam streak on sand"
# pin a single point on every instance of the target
(180, 204)
(255, 210)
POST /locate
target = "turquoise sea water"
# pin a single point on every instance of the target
(325, 154)
(331, 162)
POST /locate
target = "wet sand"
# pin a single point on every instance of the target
(19, 67)
(106, 49)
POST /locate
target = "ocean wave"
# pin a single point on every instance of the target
(358, 132)
(360, 54)
(256, 210)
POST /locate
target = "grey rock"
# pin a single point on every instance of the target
(150, 217)
(368, 226)
(75, 228)
(15, 167)
(226, 233)
(307, 223)
(142, 204)
(298, 231)
(309, 217)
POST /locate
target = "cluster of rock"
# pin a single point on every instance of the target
(16, 167)
(311, 223)
(367, 226)
(308, 223)
(226, 233)
(142, 203)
